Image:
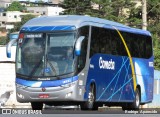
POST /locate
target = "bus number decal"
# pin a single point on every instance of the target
(151, 64)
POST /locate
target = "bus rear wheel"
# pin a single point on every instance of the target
(37, 105)
(90, 103)
(136, 103)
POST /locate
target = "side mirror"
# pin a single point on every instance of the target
(8, 47)
(78, 45)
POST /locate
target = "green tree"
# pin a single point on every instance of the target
(3, 40)
(157, 58)
(153, 9)
(113, 9)
(120, 7)
(104, 9)
(135, 17)
(77, 7)
(153, 18)
(24, 19)
(40, 2)
(15, 6)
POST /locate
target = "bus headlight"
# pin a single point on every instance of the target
(20, 86)
(69, 84)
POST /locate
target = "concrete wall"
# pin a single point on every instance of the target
(7, 79)
(3, 56)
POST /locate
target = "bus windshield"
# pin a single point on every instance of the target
(45, 55)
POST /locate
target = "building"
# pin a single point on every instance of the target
(48, 11)
(6, 3)
(48, 8)
(8, 18)
(55, 1)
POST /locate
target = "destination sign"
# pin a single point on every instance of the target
(35, 35)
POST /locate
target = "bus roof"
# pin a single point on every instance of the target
(78, 21)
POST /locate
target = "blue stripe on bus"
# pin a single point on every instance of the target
(117, 85)
(115, 92)
(49, 83)
(115, 76)
(128, 29)
(69, 27)
(127, 69)
(48, 28)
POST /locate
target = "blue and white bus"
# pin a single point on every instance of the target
(82, 60)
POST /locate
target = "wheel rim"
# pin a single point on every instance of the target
(137, 100)
(91, 98)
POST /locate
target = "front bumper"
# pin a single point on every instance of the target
(71, 92)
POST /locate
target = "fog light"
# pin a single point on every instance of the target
(68, 95)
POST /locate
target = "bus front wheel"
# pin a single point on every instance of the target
(90, 103)
(37, 105)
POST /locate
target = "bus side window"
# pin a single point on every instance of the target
(82, 57)
(148, 47)
(114, 47)
(142, 47)
(95, 37)
(83, 31)
(104, 41)
(114, 43)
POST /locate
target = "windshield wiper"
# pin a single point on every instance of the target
(53, 69)
(35, 68)
(22, 76)
(38, 65)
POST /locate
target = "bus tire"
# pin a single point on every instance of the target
(136, 103)
(37, 105)
(90, 103)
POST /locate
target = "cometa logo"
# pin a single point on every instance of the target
(103, 64)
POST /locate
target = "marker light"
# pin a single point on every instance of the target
(20, 39)
(21, 35)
